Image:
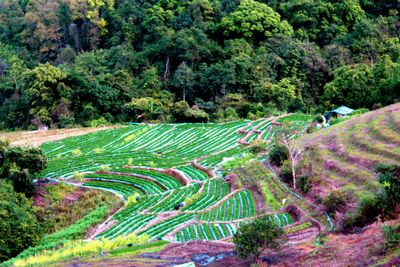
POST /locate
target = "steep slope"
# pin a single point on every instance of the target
(346, 153)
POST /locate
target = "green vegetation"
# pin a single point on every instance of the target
(92, 63)
(19, 228)
(156, 245)
(58, 239)
(253, 238)
(20, 166)
(392, 236)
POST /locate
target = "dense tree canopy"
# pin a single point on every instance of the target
(66, 62)
(20, 165)
(19, 228)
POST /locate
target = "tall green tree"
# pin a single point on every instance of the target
(48, 93)
(184, 79)
(19, 228)
(254, 21)
(20, 166)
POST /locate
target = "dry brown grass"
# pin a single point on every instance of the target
(36, 138)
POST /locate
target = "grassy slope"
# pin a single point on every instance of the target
(350, 150)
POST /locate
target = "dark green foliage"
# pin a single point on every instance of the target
(304, 184)
(389, 177)
(63, 64)
(278, 154)
(258, 146)
(20, 165)
(383, 204)
(334, 201)
(253, 238)
(367, 212)
(19, 228)
(286, 172)
(392, 236)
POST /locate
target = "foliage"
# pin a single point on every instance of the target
(253, 238)
(78, 249)
(70, 62)
(278, 154)
(258, 146)
(305, 184)
(335, 201)
(56, 240)
(392, 236)
(19, 228)
(20, 166)
(100, 122)
(254, 21)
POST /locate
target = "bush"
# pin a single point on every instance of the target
(278, 155)
(19, 228)
(304, 183)
(391, 235)
(258, 146)
(253, 238)
(369, 208)
(334, 201)
(286, 172)
(100, 122)
(21, 165)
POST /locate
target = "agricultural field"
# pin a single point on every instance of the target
(165, 174)
(174, 187)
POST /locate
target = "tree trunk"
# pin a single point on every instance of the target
(294, 173)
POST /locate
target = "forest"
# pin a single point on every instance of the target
(88, 62)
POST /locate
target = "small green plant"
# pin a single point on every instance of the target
(100, 122)
(334, 201)
(78, 176)
(258, 146)
(76, 152)
(104, 168)
(305, 184)
(99, 150)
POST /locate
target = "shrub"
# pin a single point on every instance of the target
(304, 183)
(391, 235)
(278, 155)
(78, 176)
(99, 122)
(369, 208)
(334, 201)
(286, 172)
(258, 146)
(253, 238)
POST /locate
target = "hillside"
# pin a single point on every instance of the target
(170, 177)
(349, 151)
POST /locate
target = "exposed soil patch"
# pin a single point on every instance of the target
(36, 138)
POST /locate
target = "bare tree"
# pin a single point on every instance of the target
(286, 136)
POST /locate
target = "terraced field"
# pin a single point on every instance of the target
(350, 150)
(165, 173)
